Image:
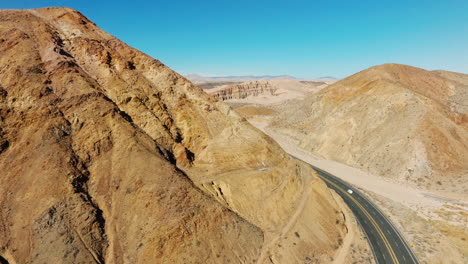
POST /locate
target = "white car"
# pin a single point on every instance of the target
(350, 191)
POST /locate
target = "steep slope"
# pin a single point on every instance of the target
(393, 120)
(109, 156)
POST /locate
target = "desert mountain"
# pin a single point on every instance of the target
(394, 120)
(109, 156)
(266, 91)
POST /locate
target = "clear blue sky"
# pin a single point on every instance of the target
(300, 38)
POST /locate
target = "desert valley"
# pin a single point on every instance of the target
(396, 132)
(107, 155)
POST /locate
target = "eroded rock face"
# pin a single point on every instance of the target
(109, 156)
(244, 90)
(394, 120)
(267, 92)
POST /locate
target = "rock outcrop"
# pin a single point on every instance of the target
(394, 120)
(244, 90)
(107, 155)
(266, 91)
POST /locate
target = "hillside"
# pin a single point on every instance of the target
(393, 120)
(109, 156)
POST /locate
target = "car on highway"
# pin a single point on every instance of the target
(350, 191)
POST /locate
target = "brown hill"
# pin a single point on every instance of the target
(393, 120)
(109, 156)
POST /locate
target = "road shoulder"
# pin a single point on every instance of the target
(355, 248)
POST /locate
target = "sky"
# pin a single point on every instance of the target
(305, 39)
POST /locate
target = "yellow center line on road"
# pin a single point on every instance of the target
(387, 244)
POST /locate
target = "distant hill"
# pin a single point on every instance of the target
(393, 120)
(195, 78)
(328, 78)
(199, 79)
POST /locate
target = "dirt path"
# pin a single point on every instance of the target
(355, 248)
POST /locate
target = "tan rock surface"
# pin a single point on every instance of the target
(398, 121)
(109, 156)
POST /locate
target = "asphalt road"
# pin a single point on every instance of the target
(386, 242)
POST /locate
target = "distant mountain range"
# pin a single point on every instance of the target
(196, 78)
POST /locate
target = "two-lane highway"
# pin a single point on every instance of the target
(387, 244)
